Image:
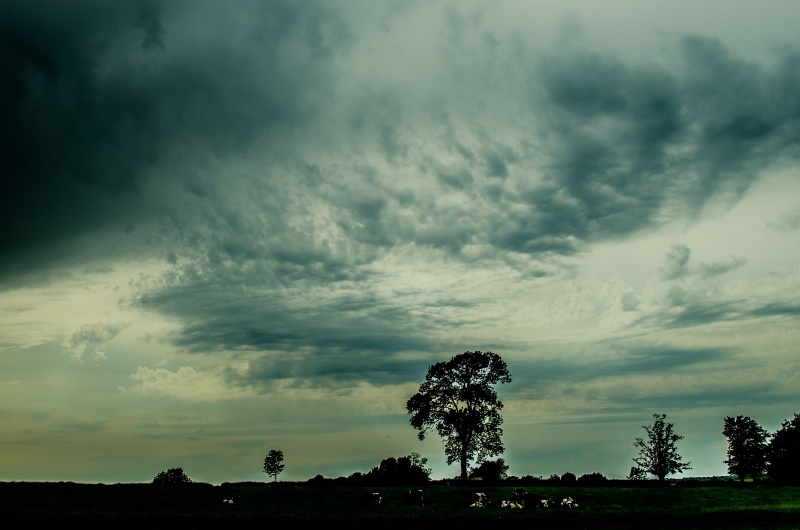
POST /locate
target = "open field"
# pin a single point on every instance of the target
(195, 505)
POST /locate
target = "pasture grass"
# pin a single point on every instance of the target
(676, 506)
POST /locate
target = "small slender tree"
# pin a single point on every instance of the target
(658, 455)
(273, 463)
(747, 447)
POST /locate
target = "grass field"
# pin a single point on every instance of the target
(198, 505)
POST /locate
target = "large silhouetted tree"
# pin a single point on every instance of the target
(658, 455)
(458, 401)
(747, 447)
(784, 452)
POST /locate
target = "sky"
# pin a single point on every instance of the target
(230, 227)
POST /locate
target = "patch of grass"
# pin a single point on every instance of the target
(152, 506)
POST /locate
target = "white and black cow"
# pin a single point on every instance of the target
(478, 500)
(567, 502)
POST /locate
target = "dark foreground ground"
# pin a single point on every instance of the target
(677, 506)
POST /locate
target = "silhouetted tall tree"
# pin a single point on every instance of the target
(784, 452)
(457, 400)
(747, 447)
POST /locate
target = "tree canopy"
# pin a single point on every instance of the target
(458, 401)
(784, 452)
(273, 463)
(490, 470)
(658, 455)
(172, 476)
(406, 471)
(747, 447)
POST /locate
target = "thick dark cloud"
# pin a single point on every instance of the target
(100, 102)
(346, 335)
(625, 361)
(273, 174)
(635, 145)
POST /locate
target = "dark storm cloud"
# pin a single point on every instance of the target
(94, 96)
(354, 336)
(633, 145)
(278, 174)
(622, 147)
(682, 309)
(643, 360)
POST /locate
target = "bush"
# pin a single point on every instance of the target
(172, 476)
(592, 477)
(405, 471)
(490, 470)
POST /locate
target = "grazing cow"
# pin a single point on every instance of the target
(519, 496)
(415, 498)
(478, 500)
(568, 503)
(371, 499)
(511, 505)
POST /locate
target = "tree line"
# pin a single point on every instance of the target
(753, 452)
(458, 401)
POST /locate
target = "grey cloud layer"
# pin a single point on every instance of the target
(277, 172)
(97, 98)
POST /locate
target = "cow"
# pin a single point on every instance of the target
(371, 499)
(415, 498)
(478, 500)
(545, 503)
(567, 502)
(519, 496)
(528, 500)
(511, 505)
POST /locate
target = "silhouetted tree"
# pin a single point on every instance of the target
(490, 470)
(172, 476)
(658, 455)
(747, 447)
(568, 477)
(273, 463)
(592, 477)
(457, 400)
(784, 452)
(406, 470)
(554, 477)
